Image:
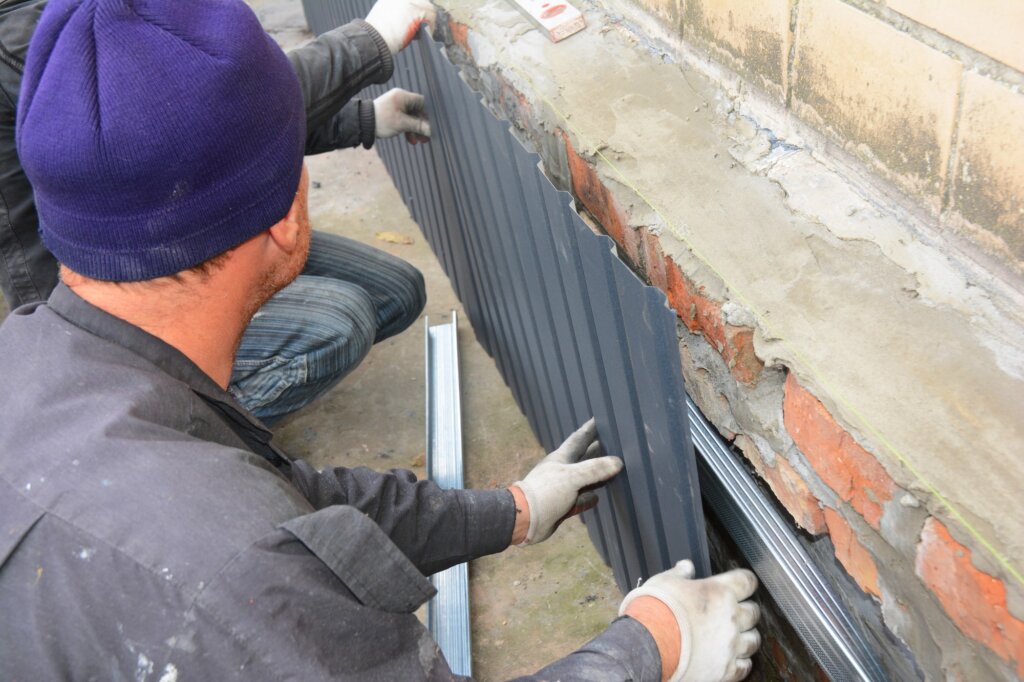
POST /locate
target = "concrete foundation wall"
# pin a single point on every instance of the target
(830, 194)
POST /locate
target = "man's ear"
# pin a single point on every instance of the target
(286, 231)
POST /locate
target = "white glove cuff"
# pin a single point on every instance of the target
(685, 631)
(534, 509)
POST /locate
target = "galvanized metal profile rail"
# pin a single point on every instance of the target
(782, 565)
(448, 611)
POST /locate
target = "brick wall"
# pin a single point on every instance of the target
(927, 94)
(925, 98)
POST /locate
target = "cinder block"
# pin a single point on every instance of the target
(992, 27)
(850, 470)
(880, 93)
(851, 554)
(666, 11)
(974, 600)
(750, 36)
(988, 180)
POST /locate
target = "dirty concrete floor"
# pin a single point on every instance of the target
(529, 606)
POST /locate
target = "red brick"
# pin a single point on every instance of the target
(851, 554)
(850, 470)
(515, 105)
(703, 315)
(740, 355)
(460, 34)
(594, 196)
(974, 600)
(700, 314)
(600, 203)
(789, 488)
(654, 260)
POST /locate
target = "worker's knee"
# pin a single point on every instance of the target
(301, 343)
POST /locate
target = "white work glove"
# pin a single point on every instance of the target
(397, 21)
(715, 623)
(558, 486)
(400, 111)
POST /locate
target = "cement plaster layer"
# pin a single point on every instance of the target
(920, 354)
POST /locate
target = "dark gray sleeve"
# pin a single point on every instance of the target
(350, 127)
(280, 611)
(28, 272)
(624, 651)
(332, 69)
(435, 528)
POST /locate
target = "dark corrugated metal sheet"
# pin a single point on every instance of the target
(573, 331)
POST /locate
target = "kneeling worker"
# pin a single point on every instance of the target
(149, 529)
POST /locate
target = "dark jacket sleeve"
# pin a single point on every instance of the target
(331, 70)
(28, 272)
(435, 528)
(354, 125)
(624, 651)
(283, 610)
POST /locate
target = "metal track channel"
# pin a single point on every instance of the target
(782, 565)
(448, 611)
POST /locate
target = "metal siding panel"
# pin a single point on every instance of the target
(572, 331)
(575, 333)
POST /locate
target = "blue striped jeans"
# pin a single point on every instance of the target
(321, 326)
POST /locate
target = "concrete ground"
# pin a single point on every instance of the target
(529, 606)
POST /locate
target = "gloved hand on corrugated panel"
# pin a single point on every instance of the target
(715, 637)
(397, 21)
(400, 111)
(561, 485)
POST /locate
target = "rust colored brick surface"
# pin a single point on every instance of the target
(704, 315)
(600, 203)
(788, 486)
(654, 260)
(850, 470)
(460, 34)
(851, 554)
(974, 600)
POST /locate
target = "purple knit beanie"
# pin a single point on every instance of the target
(156, 133)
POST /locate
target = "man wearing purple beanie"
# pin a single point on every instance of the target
(349, 296)
(149, 528)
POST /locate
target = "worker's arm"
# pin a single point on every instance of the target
(336, 66)
(434, 528)
(341, 62)
(438, 528)
(327, 596)
(363, 121)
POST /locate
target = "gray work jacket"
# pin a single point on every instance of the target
(150, 530)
